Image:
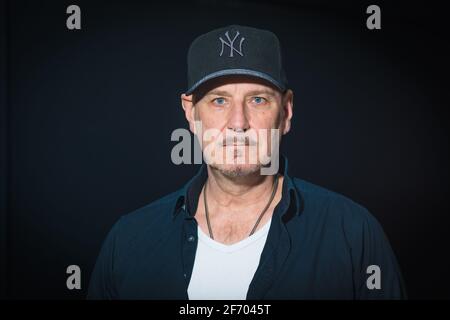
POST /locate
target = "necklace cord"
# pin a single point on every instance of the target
(274, 189)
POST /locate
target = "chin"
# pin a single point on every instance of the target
(236, 170)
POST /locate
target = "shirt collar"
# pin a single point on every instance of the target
(187, 196)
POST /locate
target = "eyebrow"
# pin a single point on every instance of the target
(260, 91)
(219, 93)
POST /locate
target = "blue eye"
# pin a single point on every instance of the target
(219, 101)
(259, 100)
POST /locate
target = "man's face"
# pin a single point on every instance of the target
(238, 119)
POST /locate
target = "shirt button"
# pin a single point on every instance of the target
(191, 239)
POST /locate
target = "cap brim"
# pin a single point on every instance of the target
(228, 72)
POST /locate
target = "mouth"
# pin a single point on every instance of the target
(236, 145)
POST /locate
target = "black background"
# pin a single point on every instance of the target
(86, 118)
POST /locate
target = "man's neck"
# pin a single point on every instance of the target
(236, 192)
(235, 203)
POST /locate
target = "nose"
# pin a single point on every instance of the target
(238, 120)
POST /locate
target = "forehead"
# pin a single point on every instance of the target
(241, 89)
(237, 85)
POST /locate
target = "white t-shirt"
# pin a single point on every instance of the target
(224, 272)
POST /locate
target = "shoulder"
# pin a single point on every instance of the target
(147, 220)
(159, 209)
(315, 196)
(336, 210)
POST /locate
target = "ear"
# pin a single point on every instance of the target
(189, 111)
(287, 105)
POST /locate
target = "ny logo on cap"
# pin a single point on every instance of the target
(230, 44)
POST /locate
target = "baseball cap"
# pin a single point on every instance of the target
(235, 50)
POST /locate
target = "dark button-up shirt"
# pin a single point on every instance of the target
(321, 245)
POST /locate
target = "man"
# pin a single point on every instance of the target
(244, 229)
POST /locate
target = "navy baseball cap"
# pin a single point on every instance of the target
(235, 50)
